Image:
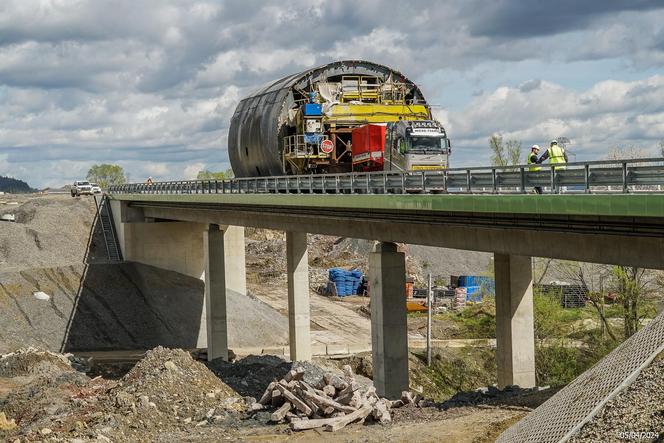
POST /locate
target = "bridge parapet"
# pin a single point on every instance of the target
(609, 176)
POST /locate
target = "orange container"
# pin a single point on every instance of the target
(409, 289)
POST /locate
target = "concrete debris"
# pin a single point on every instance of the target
(334, 402)
(165, 392)
(491, 395)
(6, 424)
(8, 217)
(39, 295)
(33, 361)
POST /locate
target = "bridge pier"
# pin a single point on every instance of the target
(515, 329)
(297, 263)
(224, 272)
(389, 332)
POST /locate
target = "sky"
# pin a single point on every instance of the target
(151, 85)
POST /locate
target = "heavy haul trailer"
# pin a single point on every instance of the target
(305, 123)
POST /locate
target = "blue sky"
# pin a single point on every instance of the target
(152, 84)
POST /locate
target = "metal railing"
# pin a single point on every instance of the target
(622, 176)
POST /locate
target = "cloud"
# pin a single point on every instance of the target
(525, 18)
(610, 113)
(190, 171)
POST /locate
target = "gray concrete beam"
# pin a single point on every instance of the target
(515, 340)
(234, 259)
(297, 264)
(587, 247)
(389, 332)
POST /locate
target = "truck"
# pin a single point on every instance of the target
(345, 116)
(81, 187)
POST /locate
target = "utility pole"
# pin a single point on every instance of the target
(429, 313)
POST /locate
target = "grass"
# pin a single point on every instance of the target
(567, 343)
(453, 370)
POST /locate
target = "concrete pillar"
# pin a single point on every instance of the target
(215, 293)
(234, 259)
(389, 332)
(225, 273)
(298, 296)
(515, 329)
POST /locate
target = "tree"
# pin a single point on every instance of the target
(209, 175)
(505, 153)
(14, 186)
(631, 285)
(106, 175)
(626, 153)
(591, 276)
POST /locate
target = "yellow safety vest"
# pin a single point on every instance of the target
(530, 162)
(556, 156)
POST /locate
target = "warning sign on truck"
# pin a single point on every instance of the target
(327, 146)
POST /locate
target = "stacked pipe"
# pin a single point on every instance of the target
(346, 282)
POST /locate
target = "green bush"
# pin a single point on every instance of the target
(558, 362)
(453, 370)
(478, 321)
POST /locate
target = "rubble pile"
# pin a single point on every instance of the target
(491, 395)
(166, 392)
(33, 361)
(170, 384)
(333, 403)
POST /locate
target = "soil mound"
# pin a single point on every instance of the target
(172, 382)
(35, 362)
(166, 392)
(251, 375)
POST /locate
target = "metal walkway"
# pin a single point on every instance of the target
(105, 220)
(624, 176)
(564, 414)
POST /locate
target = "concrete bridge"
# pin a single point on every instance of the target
(203, 234)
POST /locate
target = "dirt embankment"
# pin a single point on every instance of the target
(50, 231)
(122, 306)
(56, 248)
(637, 413)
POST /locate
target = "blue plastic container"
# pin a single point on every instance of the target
(312, 109)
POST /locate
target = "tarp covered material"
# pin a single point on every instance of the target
(259, 121)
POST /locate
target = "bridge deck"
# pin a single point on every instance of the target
(615, 205)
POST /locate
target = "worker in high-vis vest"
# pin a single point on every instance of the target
(533, 160)
(556, 155)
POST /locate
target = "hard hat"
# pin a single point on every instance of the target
(554, 142)
(535, 147)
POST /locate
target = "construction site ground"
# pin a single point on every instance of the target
(115, 312)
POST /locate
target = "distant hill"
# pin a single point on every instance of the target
(14, 186)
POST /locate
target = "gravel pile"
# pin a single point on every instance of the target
(171, 382)
(49, 231)
(166, 393)
(637, 413)
(492, 396)
(31, 361)
(251, 375)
